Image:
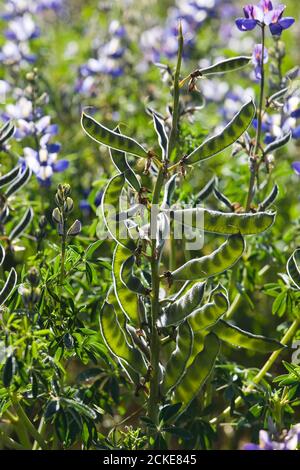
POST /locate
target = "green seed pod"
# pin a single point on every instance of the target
(168, 192)
(120, 162)
(278, 143)
(22, 225)
(2, 254)
(197, 373)
(224, 223)
(292, 268)
(225, 66)
(269, 199)
(9, 286)
(111, 139)
(18, 183)
(116, 342)
(110, 204)
(9, 177)
(128, 300)
(236, 337)
(161, 134)
(132, 282)
(230, 134)
(176, 365)
(206, 191)
(57, 216)
(217, 262)
(6, 132)
(210, 313)
(177, 311)
(198, 344)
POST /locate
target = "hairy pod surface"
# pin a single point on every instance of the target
(176, 365)
(112, 139)
(225, 223)
(230, 134)
(198, 372)
(236, 337)
(217, 262)
(177, 311)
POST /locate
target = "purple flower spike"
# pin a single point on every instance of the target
(265, 14)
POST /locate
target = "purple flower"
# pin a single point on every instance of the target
(288, 441)
(257, 59)
(265, 14)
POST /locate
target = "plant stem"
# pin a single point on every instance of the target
(11, 443)
(41, 429)
(175, 110)
(253, 168)
(62, 264)
(27, 423)
(153, 402)
(263, 371)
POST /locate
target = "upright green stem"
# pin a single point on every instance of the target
(263, 371)
(62, 262)
(175, 110)
(153, 403)
(253, 168)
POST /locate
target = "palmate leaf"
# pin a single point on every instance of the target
(111, 207)
(228, 136)
(197, 373)
(112, 139)
(236, 337)
(224, 223)
(115, 340)
(176, 365)
(127, 299)
(292, 268)
(217, 262)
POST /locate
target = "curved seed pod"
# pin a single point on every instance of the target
(132, 282)
(230, 134)
(18, 183)
(6, 132)
(210, 313)
(128, 301)
(9, 177)
(198, 344)
(177, 311)
(120, 162)
(124, 215)
(162, 233)
(176, 365)
(139, 341)
(168, 192)
(4, 215)
(223, 222)
(161, 134)
(278, 143)
(269, 199)
(206, 191)
(110, 207)
(225, 66)
(9, 286)
(293, 269)
(223, 199)
(277, 95)
(2, 254)
(218, 261)
(116, 341)
(198, 372)
(22, 225)
(112, 139)
(236, 337)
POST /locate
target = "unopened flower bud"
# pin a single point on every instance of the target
(33, 276)
(42, 222)
(30, 76)
(75, 228)
(68, 205)
(57, 216)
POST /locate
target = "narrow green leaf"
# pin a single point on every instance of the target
(230, 134)
(105, 136)
(236, 337)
